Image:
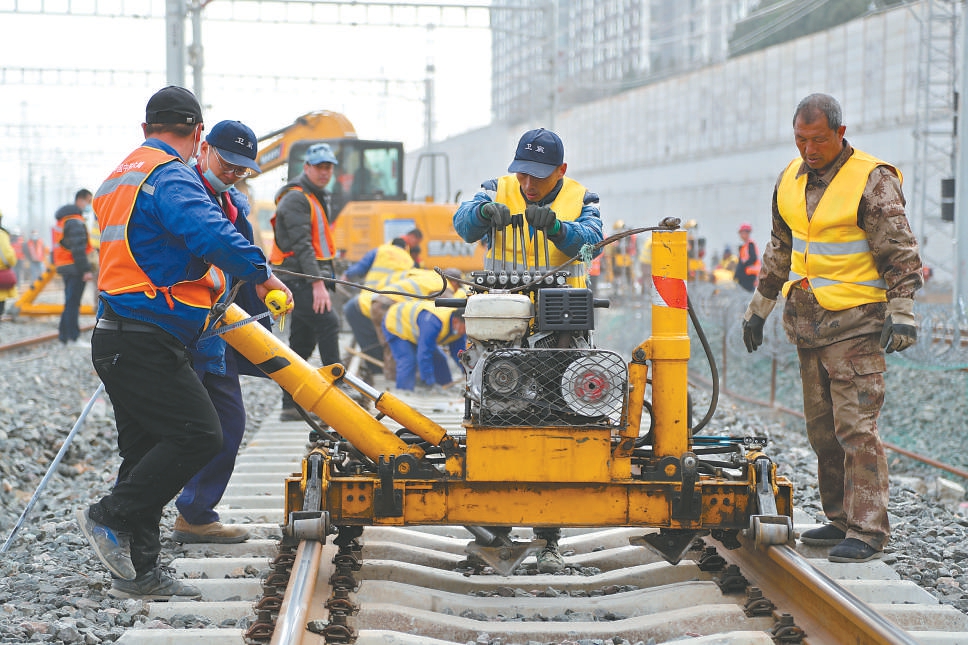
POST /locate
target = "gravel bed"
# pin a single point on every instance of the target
(52, 589)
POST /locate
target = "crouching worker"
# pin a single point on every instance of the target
(414, 331)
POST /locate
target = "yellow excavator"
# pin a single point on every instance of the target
(369, 202)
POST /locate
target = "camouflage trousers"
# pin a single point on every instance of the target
(843, 390)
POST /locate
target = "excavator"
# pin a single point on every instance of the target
(369, 202)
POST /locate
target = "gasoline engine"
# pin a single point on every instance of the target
(551, 430)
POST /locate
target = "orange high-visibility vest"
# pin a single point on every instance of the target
(61, 256)
(119, 272)
(744, 256)
(323, 243)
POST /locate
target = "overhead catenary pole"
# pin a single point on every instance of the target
(960, 291)
(175, 13)
(196, 56)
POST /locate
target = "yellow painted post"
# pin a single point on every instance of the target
(314, 389)
(669, 343)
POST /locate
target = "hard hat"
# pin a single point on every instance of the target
(619, 225)
(745, 227)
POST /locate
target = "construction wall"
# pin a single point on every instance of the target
(708, 145)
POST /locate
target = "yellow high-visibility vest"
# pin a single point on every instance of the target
(830, 251)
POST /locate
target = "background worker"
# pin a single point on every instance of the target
(226, 156)
(561, 207)
(164, 247)
(71, 245)
(419, 282)
(35, 256)
(748, 260)
(8, 262)
(853, 299)
(304, 244)
(413, 238)
(374, 270)
(413, 331)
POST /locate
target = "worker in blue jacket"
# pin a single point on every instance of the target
(227, 155)
(165, 249)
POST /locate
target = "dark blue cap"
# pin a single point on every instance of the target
(539, 153)
(236, 143)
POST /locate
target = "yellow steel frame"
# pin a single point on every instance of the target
(544, 476)
(25, 305)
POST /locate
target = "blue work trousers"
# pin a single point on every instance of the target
(204, 491)
(69, 329)
(363, 330)
(405, 356)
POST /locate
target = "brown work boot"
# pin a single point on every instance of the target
(215, 533)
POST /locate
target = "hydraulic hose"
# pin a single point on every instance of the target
(713, 370)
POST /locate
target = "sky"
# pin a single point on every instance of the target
(60, 131)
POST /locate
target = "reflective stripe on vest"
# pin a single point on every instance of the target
(419, 282)
(114, 203)
(322, 237)
(567, 207)
(401, 320)
(389, 259)
(61, 256)
(829, 249)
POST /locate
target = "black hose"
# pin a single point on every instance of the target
(713, 370)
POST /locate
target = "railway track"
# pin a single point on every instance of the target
(415, 585)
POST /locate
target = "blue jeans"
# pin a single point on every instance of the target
(405, 355)
(200, 495)
(69, 329)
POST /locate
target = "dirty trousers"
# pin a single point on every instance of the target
(167, 430)
(843, 390)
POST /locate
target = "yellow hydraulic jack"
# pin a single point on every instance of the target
(25, 305)
(551, 435)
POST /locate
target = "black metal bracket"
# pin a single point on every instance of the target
(687, 503)
(387, 502)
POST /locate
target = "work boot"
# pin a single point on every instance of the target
(113, 549)
(156, 584)
(853, 550)
(212, 533)
(826, 535)
(549, 560)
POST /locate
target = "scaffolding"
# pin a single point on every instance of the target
(936, 123)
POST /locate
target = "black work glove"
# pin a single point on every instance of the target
(498, 214)
(753, 320)
(753, 333)
(899, 331)
(540, 217)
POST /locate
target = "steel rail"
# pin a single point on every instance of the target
(36, 340)
(833, 616)
(291, 623)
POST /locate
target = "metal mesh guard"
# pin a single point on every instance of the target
(545, 387)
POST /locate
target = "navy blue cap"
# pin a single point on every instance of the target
(173, 104)
(539, 153)
(236, 143)
(320, 153)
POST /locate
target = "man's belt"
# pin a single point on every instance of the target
(127, 326)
